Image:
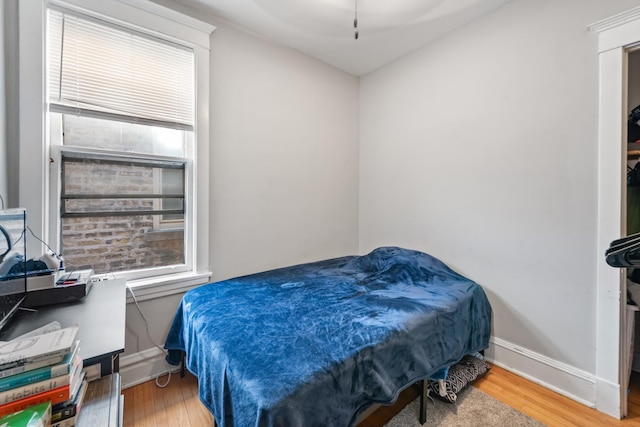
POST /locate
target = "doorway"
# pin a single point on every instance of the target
(616, 38)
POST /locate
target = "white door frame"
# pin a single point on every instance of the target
(615, 35)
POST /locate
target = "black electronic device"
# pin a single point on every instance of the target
(57, 295)
(13, 268)
(69, 287)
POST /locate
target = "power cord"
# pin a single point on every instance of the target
(44, 243)
(146, 324)
(32, 233)
(53, 253)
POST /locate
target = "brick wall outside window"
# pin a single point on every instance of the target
(116, 243)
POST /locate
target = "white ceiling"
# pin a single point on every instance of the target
(324, 29)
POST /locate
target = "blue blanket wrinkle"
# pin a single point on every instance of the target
(315, 344)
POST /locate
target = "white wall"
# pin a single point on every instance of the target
(481, 149)
(284, 156)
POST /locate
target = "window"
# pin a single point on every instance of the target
(122, 135)
(108, 207)
(124, 102)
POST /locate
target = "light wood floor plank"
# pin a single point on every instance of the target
(195, 412)
(160, 412)
(547, 406)
(150, 413)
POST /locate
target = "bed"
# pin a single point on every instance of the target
(316, 344)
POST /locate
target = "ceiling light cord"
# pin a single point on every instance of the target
(355, 22)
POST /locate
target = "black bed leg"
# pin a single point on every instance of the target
(182, 362)
(424, 393)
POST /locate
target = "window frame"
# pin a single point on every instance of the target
(58, 151)
(39, 174)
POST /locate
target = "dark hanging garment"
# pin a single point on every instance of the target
(633, 130)
(633, 210)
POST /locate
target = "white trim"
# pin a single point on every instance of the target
(610, 226)
(162, 286)
(144, 366)
(173, 15)
(55, 178)
(199, 238)
(33, 170)
(560, 377)
(615, 20)
(164, 21)
(618, 30)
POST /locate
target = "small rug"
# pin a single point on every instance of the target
(473, 408)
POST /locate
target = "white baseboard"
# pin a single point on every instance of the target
(607, 398)
(144, 366)
(564, 379)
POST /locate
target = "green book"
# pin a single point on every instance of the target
(34, 416)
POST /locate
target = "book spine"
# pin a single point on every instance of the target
(64, 413)
(54, 396)
(68, 422)
(35, 348)
(33, 359)
(29, 366)
(71, 407)
(29, 390)
(35, 375)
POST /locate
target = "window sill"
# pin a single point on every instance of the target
(161, 286)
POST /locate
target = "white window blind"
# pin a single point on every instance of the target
(99, 69)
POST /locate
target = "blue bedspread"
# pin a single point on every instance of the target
(315, 344)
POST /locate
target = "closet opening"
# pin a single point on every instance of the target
(631, 372)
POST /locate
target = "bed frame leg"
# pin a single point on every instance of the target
(182, 362)
(424, 393)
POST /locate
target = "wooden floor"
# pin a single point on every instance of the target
(147, 405)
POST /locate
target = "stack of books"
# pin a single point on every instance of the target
(41, 369)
